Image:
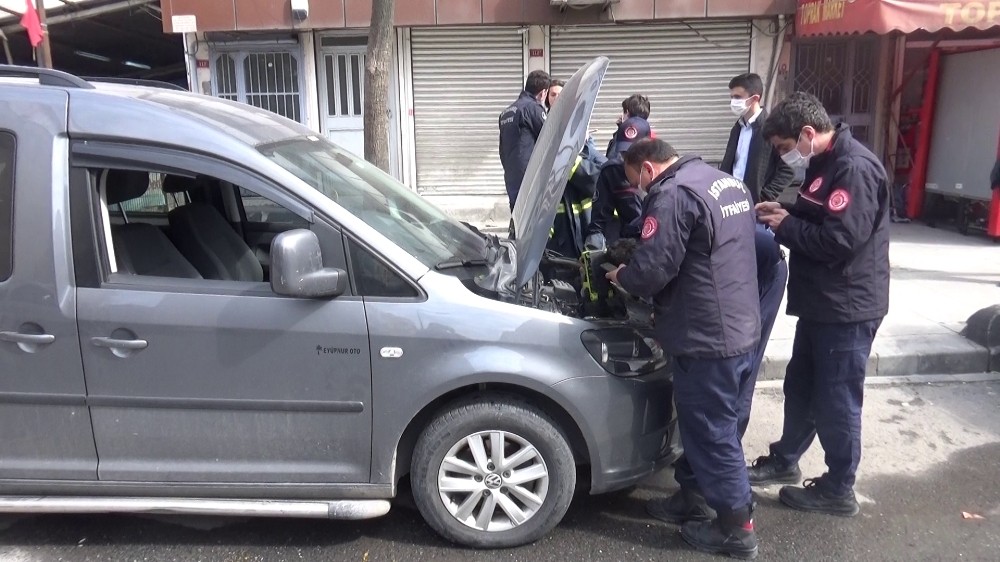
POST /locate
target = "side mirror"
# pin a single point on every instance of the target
(297, 267)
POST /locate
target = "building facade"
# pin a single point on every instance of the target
(458, 63)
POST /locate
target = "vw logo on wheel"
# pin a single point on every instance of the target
(493, 481)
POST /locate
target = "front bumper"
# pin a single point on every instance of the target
(629, 425)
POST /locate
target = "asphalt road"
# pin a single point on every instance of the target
(932, 452)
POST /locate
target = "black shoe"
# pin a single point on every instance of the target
(813, 497)
(730, 534)
(680, 508)
(769, 470)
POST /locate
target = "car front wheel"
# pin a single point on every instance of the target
(493, 472)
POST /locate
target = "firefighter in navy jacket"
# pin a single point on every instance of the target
(566, 237)
(688, 503)
(838, 286)
(696, 258)
(617, 207)
(573, 215)
(520, 125)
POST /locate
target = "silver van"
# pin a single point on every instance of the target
(207, 308)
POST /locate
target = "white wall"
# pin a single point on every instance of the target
(766, 42)
(309, 69)
(196, 49)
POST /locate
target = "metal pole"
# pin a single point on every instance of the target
(6, 47)
(915, 197)
(45, 52)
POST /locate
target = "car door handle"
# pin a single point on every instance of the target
(33, 339)
(113, 343)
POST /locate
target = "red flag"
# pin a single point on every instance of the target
(31, 23)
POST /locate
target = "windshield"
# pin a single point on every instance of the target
(404, 217)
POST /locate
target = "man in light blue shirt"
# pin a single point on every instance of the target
(749, 157)
(745, 123)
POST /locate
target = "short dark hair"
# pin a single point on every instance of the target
(538, 80)
(649, 150)
(557, 82)
(749, 82)
(637, 105)
(794, 112)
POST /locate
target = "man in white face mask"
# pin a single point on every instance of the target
(838, 286)
(749, 157)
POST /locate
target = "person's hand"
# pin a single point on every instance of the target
(774, 219)
(771, 214)
(767, 207)
(613, 275)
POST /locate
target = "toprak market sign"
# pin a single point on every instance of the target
(834, 17)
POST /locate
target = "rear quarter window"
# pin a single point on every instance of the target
(7, 145)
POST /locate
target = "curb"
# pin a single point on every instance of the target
(898, 356)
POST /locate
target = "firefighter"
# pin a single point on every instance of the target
(520, 124)
(688, 503)
(696, 259)
(837, 232)
(573, 215)
(636, 105)
(617, 205)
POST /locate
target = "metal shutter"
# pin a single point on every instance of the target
(684, 70)
(462, 79)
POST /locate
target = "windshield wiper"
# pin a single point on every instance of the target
(459, 263)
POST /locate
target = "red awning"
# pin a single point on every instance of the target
(834, 17)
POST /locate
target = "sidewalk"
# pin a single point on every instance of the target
(939, 279)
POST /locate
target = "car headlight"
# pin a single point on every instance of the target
(624, 352)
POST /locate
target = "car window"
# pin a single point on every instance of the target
(7, 146)
(410, 221)
(373, 278)
(154, 201)
(188, 226)
(261, 210)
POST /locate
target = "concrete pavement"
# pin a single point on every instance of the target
(939, 279)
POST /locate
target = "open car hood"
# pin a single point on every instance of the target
(561, 139)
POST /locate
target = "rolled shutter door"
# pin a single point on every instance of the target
(462, 79)
(684, 69)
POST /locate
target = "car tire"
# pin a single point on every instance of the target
(493, 506)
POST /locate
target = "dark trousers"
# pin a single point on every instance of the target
(770, 304)
(707, 393)
(824, 392)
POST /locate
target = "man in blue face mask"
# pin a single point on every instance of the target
(838, 286)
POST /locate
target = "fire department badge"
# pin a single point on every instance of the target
(838, 201)
(815, 185)
(631, 132)
(649, 227)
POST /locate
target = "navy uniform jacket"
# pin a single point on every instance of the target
(837, 234)
(520, 125)
(573, 215)
(613, 194)
(696, 257)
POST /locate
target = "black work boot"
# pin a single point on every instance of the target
(731, 534)
(770, 470)
(681, 507)
(816, 497)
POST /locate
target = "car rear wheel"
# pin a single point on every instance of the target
(493, 472)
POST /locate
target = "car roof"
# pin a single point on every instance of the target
(243, 122)
(240, 122)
